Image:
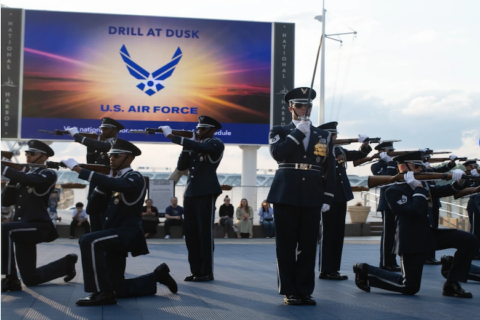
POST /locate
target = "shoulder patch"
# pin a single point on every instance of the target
(275, 139)
(403, 200)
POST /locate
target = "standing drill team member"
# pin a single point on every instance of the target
(410, 202)
(303, 186)
(97, 154)
(385, 166)
(201, 158)
(104, 253)
(31, 224)
(473, 206)
(333, 221)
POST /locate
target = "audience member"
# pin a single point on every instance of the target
(173, 217)
(266, 218)
(226, 216)
(244, 219)
(79, 219)
(149, 218)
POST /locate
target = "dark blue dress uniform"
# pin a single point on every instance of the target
(304, 181)
(29, 193)
(387, 257)
(332, 231)
(473, 208)
(415, 237)
(201, 159)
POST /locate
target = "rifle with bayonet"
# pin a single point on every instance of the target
(57, 165)
(348, 141)
(391, 154)
(436, 160)
(91, 135)
(181, 133)
(7, 154)
(376, 181)
(466, 192)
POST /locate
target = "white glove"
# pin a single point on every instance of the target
(474, 172)
(70, 163)
(362, 137)
(453, 157)
(325, 207)
(73, 131)
(427, 164)
(304, 126)
(166, 130)
(193, 138)
(422, 150)
(457, 174)
(411, 181)
(385, 157)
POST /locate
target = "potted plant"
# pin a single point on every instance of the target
(358, 213)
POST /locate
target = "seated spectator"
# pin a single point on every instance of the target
(244, 219)
(226, 216)
(79, 219)
(173, 217)
(149, 218)
(266, 218)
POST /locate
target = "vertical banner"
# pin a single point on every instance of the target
(11, 67)
(161, 192)
(283, 70)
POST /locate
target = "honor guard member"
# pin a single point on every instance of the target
(410, 202)
(104, 252)
(332, 227)
(31, 224)
(201, 159)
(303, 186)
(97, 154)
(473, 206)
(385, 166)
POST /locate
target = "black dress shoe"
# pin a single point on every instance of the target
(332, 276)
(455, 290)
(71, 272)
(164, 277)
(292, 300)
(9, 284)
(308, 300)
(392, 268)
(203, 278)
(189, 278)
(446, 265)
(361, 276)
(432, 262)
(98, 299)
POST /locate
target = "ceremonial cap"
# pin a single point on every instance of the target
(124, 146)
(469, 162)
(110, 123)
(329, 126)
(415, 157)
(39, 146)
(385, 145)
(208, 122)
(299, 93)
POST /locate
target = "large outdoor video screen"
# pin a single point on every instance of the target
(145, 72)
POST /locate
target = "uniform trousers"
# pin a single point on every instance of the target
(26, 236)
(199, 213)
(473, 208)
(104, 259)
(332, 233)
(96, 208)
(387, 257)
(296, 241)
(412, 263)
(433, 216)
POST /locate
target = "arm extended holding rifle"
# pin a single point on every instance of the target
(376, 181)
(56, 165)
(391, 154)
(181, 133)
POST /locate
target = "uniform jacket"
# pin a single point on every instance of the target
(125, 196)
(96, 149)
(202, 160)
(411, 209)
(30, 192)
(343, 190)
(382, 168)
(297, 187)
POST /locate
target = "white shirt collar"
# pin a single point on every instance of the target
(123, 171)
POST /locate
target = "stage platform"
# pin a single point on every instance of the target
(245, 287)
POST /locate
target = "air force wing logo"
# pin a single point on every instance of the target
(151, 83)
(403, 200)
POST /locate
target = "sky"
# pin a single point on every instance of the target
(411, 73)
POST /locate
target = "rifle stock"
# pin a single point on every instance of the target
(348, 141)
(466, 192)
(99, 168)
(436, 160)
(92, 135)
(391, 154)
(7, 154)
(181, 133)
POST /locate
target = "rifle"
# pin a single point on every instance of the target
(375, 181)
(348, 141)
(56, 165)
(181, 133)
(466, 192)
(91, 135)
(435, 160)
(392, 154)
(7, 154)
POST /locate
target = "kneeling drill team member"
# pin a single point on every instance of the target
(201, 158)
(411, 202)
(104, 253)
(303, 186)
(31, 224)
(333, 221)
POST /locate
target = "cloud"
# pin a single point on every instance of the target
(424, 36)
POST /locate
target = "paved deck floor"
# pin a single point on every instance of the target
(245, 287)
